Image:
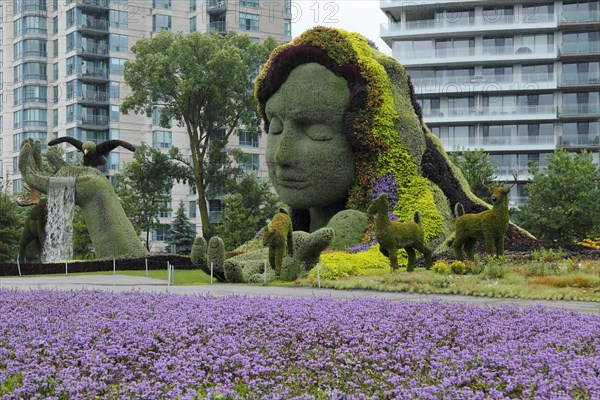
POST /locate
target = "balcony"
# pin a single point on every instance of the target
(477, 54)
(479, 83)
(483, 114)
(580, 110)
(579, 18)
(92, 74)
(92, 25)
(216, 6)
(577, 49)
(583, 79)
(93, 121)
(32, 54)
(93, 50)
(33, 7)
(470, 26)
(219, 26)
(580, 141)
(93, 4)
(92, 97)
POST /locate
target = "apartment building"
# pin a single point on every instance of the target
(61, 74)
(516, 78)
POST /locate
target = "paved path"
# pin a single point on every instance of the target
(125, 283)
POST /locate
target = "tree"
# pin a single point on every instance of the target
(477, 170)
(182, 233)
(246, 210)
(203, 82)
(10, 225)
(144, 186)
(562, 202)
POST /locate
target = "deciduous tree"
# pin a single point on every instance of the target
(203, 82)
(563, 199)
(477, 169)
(144, 185)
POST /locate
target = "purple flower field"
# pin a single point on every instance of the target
(83, 345)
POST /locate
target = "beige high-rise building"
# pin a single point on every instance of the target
(61, 74)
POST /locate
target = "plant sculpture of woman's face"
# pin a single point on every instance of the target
(310, 161)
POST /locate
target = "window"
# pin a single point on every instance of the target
(249, 22)
(161, 23)
(54, 117)
(30, 94)
(118, 42)
(156, 116)
(249, 3)
(36, 135)
(118, 19)
(166, 4)
(114, 160)
(214, 210)
(71, 41)
(115, 115)
(30, 25)
(17, 183)
(55, 71)
(55, 48)
(498, 45)
(30, 48)
(498, 74)
(538, 73)
(248, 139)
(287, 6)
(287, 27)
(192, 209)
(30, 117)
(115, 90)
(71, 65)
(70, 17)
(117, 66)
(161, 139)
(193, 24)
(30, 71)
(253, 164)
(160, 234)
(167, 210)
(492, 15)
(193, 5)
(55, 25)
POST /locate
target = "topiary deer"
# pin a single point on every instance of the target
(393, 236)
(278, 236)
(490, 225)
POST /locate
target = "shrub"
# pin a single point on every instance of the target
(565, 281)
(495, 269)
(335, 265)
(198, 254)
(593, 243)
(458, 267)
(476, 266)
(216, 255)
(441, 267)
(291, 268)
(233, 272)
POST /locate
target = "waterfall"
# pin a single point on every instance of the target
(58, 245)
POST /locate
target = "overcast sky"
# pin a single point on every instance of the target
(363, 16)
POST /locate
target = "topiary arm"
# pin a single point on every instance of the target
(30, 167)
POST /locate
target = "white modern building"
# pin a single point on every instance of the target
(61, 74)
(516, 78)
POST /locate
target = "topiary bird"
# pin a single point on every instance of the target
(93, 155)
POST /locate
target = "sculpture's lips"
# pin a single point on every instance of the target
(292, 183)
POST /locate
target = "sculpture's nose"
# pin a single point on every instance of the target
(285, 152)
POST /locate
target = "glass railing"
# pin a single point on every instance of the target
(36, 7)
(219, 26)
(93, 48)
(580, 48)
(580, 140)
(579, 17)
(35, 77)
(474, 111)
(579, 79)
(479, 79)
(447, 22)
(580, 109)
(216, 5)
(93, 23)
(93, 3)
(92, 95)
(31, 53)
(93, 120)
(469, 52)
(100, 73)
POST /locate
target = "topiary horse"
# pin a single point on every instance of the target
(490, 225)
(393, 236)
(278, 236)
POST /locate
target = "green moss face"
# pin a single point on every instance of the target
(310, 161)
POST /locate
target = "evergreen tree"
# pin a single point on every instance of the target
(181, 234)
(10, 227)
(563, 199)
(247, 208)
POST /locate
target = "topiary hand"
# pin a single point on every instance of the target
(110, 230)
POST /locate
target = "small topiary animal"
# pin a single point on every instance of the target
(278, 236)
(393, 236)
(489, 225)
